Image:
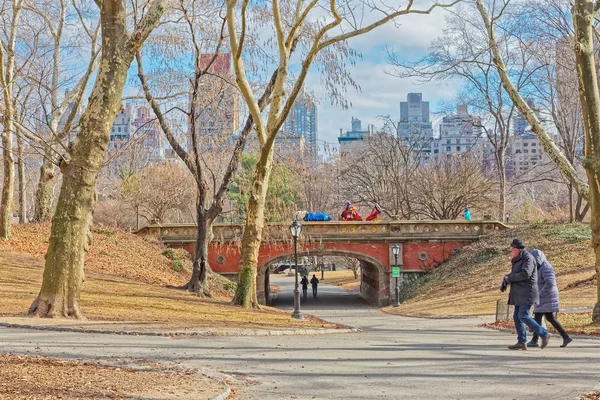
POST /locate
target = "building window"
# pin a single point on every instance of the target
(525, 151)
(448, 141)
(448, 149)
(518, 144)
(119, 129)
(518, 151)
(436, 151)
(525, 144)
(533, 145)
(533, 150)
(457, 148)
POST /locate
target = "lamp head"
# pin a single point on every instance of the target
(296, 229)
(396, 249)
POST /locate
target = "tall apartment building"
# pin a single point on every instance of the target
(357, 134)
(148, 132)
(218, 108)
(414, 118)
(520, 125)
(122, 128)
(459, 133)
(524, 153)
(302, 121)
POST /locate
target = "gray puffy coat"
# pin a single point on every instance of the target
(523, 281)
(547, 288)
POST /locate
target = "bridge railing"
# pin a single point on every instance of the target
(336, 230)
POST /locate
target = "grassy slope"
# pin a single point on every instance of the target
(125, 278)
(468, 283)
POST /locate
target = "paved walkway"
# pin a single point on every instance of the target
(394, 358)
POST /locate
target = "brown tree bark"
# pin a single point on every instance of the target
(21, 176)
(583, 16)
(8, 182)
(70, 232)
(43, 193)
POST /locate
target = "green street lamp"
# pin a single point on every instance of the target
(296, 229)
(396, 251)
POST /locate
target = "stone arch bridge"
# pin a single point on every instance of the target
(424, 245)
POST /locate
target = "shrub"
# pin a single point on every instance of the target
(176, 266)
(231, 286)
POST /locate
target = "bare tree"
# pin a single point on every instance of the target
(446, 186)
(462, 52)
(382, 170)
(159, 190)
(288, 20)
(583, 12)
(70, 233)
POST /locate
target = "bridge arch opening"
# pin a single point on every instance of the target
(374, 280)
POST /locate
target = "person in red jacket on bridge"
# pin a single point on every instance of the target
(350, 213)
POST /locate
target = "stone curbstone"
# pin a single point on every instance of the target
(224, 394)
(288, 332)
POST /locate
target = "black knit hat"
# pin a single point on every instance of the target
(517, 244)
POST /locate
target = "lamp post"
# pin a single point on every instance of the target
(296, 229)
(396, 251)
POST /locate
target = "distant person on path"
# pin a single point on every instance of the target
(523, 294)
(314, 282)
(549, 299)
(304, 283)
(467, 214)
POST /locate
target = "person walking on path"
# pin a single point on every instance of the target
(304, 283)
(467, 214)
(523, 294)
(549, 299)
(314, 282)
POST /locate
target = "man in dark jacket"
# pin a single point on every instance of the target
(523, 294)
(314, 282)
(304, 283)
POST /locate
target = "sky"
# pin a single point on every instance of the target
(382, 93)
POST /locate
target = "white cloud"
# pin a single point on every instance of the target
(382, 93)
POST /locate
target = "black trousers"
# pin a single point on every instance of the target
(304, 290)
(314, 291)
(553, 321)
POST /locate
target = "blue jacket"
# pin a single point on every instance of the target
(468, 215)
(548, 290)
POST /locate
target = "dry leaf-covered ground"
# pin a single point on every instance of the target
(468, 283)
(579, 323)
(42, 378)
(125, 275)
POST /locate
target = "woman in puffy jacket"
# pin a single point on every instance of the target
(549, 300)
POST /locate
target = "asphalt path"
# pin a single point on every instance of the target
(394, 357)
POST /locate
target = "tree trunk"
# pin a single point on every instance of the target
(245, 294)
(198, 283)
(502, 178)
(21, 175)
(44, 191)
(583, 15)
(571, 211)
(6, 202)
(580, 212)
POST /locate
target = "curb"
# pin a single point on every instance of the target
(508, 330)
(438, 316)
(224, 394)
(290, 332)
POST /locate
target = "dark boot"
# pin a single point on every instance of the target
(533, 343)
(566, 341)
(518, 346)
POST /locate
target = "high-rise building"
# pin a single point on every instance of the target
(302, 121)
(346, 140)
(414, 118)
(459, 133)
(520, 125)
(122, 128)
(218, 106)
(147, 131)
